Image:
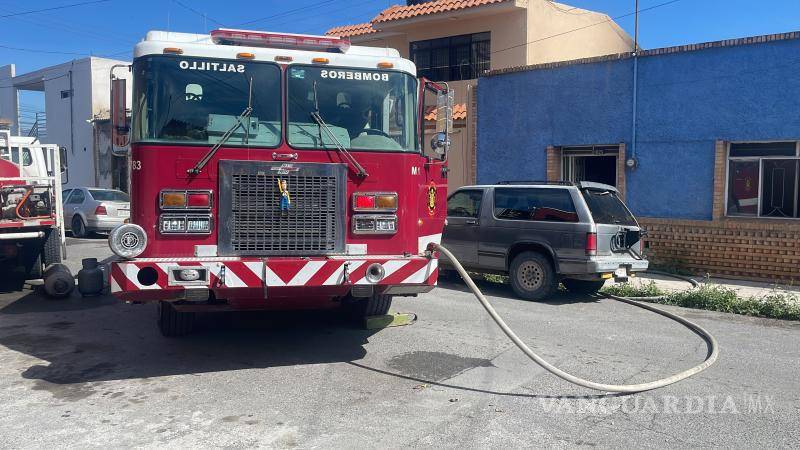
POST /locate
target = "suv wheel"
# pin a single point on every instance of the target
(582, 286)
(532, 276)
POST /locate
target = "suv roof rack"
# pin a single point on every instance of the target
(559, 183)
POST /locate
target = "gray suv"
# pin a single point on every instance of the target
(540, 234)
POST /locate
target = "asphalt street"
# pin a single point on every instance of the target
(95, 372)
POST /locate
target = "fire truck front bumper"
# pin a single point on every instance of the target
(195, 279)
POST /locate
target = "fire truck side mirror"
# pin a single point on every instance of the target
(444, 121)
(119, 117)
(440, 143)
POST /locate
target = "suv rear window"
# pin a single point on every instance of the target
(607, 208)
(549, 205)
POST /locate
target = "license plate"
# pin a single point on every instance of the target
(622, 272)
(124, 213)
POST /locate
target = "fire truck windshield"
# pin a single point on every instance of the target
(364, 109)
(197, 100)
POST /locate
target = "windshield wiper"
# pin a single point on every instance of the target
(239, 123)
(360, 171)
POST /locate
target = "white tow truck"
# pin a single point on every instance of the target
(31, 217)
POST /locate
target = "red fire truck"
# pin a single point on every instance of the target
(277, 171)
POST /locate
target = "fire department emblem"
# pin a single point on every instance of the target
(431, 198)
(285, 169)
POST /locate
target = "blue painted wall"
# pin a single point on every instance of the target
(686, 102)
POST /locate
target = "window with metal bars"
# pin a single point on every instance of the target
(452, 58)
(763, 179)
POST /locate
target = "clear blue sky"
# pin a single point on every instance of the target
(113, 27)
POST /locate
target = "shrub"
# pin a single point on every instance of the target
(649, 289)
(713, 297)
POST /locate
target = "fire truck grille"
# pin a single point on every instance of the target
(256, 218)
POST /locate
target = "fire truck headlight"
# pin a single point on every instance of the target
(127, 240)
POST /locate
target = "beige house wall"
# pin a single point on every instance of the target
(507, 27)
(596, 34)
(512, 26)
(515, 28)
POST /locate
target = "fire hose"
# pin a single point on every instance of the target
(713, 349)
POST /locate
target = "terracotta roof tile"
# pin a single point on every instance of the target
(398, 12)
(459, 112)
(351, 30)
(404, 12)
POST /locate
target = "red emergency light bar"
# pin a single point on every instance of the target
(225, 36)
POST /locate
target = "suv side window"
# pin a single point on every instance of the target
(464, 204)
(548, 205)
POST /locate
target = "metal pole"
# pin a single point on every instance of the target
(632, 160)
(636, 27)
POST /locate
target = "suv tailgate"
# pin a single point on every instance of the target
(617, 229)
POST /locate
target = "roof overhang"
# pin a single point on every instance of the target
(465, 13)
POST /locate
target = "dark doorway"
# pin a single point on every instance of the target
(597, 164)
(601, 169)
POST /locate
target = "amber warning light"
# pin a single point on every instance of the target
(225, 36)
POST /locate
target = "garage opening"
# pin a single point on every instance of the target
(590, 163)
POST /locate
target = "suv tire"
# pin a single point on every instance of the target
(532, 276)
(172, 322)
(582, 286)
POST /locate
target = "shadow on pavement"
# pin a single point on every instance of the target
(11, 282)
(561, 297)
(98, 339)
(482, 391)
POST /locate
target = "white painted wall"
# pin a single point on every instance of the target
(67, 124)
(69, 118)
(101, 106)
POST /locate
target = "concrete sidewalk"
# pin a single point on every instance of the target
(743, 288)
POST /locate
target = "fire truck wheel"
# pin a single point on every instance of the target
(52, 249)
(377, 305)
(174, 323)
(32, 259)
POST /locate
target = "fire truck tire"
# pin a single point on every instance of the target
(78, 227)
(51, 254)
(587, 287)
(173, 323)
(377, 305)
(32, 258)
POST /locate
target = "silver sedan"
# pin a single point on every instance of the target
(88, 210)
